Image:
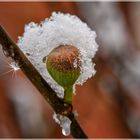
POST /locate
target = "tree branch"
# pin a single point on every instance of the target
(13, 51)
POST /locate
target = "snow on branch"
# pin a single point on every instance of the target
(60, 49)
(10, 49)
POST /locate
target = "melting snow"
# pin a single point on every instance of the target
(64, 122)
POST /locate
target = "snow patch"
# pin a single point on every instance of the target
(39, 40)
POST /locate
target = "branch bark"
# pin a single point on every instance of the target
(12, 50)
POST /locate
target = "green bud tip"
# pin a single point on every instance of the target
(63, 64)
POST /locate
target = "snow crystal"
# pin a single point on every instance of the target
(39, 40)
(64, 122)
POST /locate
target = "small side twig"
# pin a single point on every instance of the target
(13, 51)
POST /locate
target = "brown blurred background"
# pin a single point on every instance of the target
(108, 104)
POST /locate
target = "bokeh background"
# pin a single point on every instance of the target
(108, 104)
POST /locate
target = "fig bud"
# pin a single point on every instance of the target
(63, 64)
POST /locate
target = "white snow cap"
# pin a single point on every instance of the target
(39, 40)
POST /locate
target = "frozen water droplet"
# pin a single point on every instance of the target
(64, 122)
(65, 131)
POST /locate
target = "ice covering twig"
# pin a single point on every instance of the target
(13, 51)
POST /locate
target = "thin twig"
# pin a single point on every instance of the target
(13, 51)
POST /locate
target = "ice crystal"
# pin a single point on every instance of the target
(64, 122)
(39, 40)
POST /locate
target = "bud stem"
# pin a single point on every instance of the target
(68, 94)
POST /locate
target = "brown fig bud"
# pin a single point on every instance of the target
(63, 64)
